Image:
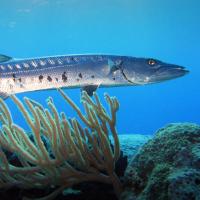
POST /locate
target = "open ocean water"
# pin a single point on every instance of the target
(168, 166)
(165, 30)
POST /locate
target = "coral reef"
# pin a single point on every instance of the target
(59, 153)
(167, 167)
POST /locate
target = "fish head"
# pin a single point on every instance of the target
(142, 71)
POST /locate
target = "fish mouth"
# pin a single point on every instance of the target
(170, 72)
(181, 69)
(163, 73)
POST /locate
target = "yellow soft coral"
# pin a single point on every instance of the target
(62, 153)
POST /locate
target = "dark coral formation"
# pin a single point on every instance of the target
(83, 191)
(167, 167)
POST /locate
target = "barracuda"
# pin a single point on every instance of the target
(85, 71)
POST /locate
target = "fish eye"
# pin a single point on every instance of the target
(151, 62)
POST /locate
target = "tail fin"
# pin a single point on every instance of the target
(4, 95)
(4, 58)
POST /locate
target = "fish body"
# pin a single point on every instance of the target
(85, 71)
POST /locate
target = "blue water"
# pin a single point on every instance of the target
(166, 30)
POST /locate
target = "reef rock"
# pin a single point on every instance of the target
(167, 167)
(131, 143)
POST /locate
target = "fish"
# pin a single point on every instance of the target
(86, 71)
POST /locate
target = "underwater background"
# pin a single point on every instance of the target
(165, 30)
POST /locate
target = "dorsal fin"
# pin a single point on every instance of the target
(4, 58)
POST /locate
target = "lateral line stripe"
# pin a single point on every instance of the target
(32, 70)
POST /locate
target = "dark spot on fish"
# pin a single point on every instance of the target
(92, 76)
(49, 78)
(40, 78)
(20, 80)
(80, 75)
(72, 58)
(14, 77)
(57, 79)
(77, 79)
(64, 77)
(113, 78)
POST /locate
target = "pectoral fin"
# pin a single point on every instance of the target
(90, 89)
(4, 58)
(114, 66)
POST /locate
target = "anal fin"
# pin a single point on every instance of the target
(90, 89)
